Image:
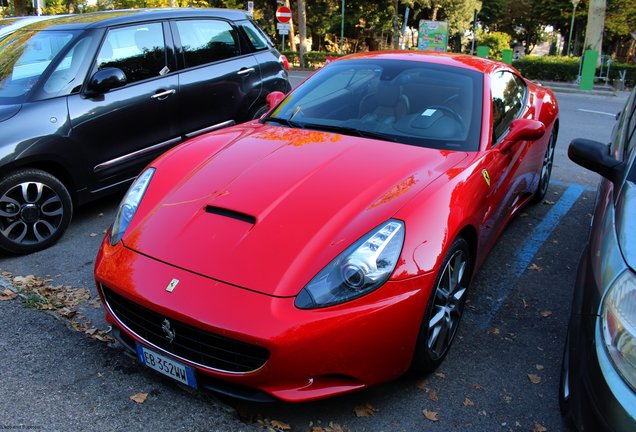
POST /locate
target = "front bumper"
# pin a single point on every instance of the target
(312, 353)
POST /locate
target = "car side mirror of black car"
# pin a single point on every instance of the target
(105, 80)
(595, 156)
(522, 130)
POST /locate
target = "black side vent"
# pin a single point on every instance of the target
(231, 214)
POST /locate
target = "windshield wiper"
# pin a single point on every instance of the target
(284, 121)
(351, 131)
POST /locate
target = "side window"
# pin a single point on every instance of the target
(508, 93)
(256, 37)
(65, 79)
(138, 50)
(206, 41)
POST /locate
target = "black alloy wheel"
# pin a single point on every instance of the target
(35, 210)
(445, 308)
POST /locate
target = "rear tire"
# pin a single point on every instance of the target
(444, 309)
(35, 210)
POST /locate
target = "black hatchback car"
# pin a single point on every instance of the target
(86, 101)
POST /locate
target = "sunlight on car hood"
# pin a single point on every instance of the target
(271, 209)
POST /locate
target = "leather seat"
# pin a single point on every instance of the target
(386, 105)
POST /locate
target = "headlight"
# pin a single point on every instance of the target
(619, 325)
(360, 269)
(129, 205)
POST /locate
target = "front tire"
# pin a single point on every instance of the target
(444, 309)
(35, 210)
(546, 170)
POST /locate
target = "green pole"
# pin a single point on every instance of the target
(482, 51)
(589, 70)
(506, 56)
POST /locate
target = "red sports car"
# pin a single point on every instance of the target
(328, 246)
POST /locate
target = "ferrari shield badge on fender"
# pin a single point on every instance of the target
(486, 176)
(172, 285)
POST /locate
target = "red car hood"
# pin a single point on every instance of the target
(270, 209)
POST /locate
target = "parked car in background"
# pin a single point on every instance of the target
(329, 246)
(86, 101)
(598, 379)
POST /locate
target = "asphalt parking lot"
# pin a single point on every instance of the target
(501, 374)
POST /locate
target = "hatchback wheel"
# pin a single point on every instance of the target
(35, 210)
(546, 170)
(445, 308)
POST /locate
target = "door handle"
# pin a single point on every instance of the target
(245, 71)
(163, 94)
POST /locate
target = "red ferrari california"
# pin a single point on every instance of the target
(328, 246)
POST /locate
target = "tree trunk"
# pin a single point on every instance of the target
(435, 10)
(20, 7)
(302, 30)
(396, 26)
(595, 24)
(292, 33)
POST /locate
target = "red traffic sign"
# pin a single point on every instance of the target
(283, 14)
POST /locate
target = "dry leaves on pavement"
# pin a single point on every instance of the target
(534, 378)
(468, 403)
(430, 415)
(365, 410)
(7, 294)
(538, 427)
(139, 397)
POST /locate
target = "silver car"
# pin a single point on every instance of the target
(598, 379)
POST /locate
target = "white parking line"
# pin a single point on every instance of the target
(597, 112)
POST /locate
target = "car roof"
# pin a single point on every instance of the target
(9, 25)
(463, 61)
(127, 16)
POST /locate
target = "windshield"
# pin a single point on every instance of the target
(24, 56)
(410, 102)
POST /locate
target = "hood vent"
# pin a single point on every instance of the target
(231, 214)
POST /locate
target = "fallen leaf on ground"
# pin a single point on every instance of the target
(430, 415)
(535, 267)
(365, 410)
(525, 303)
(548, 202)
(139, 397)
(534, 379)
(539, 367)
(432, 395)
(7, 294)
(483, 413)
(495, 331)
(468, 403)
(67, 312)
(538, 427)
(422, 384)
(546, 314)
(440, 375)
(93, 234)
(279, 425)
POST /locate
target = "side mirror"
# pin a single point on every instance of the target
(522, 130)
(595, 156)
(274, 98)
(105, 80)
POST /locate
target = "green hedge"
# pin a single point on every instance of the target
(551, 68)
(313, 59)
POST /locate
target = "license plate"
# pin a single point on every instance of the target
(166, 366)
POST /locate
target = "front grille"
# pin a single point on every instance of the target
(190, 343)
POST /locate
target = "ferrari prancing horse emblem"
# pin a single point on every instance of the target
(172, 285)
(486, 176)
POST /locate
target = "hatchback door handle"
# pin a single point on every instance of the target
(245, 71)
(163, 94)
